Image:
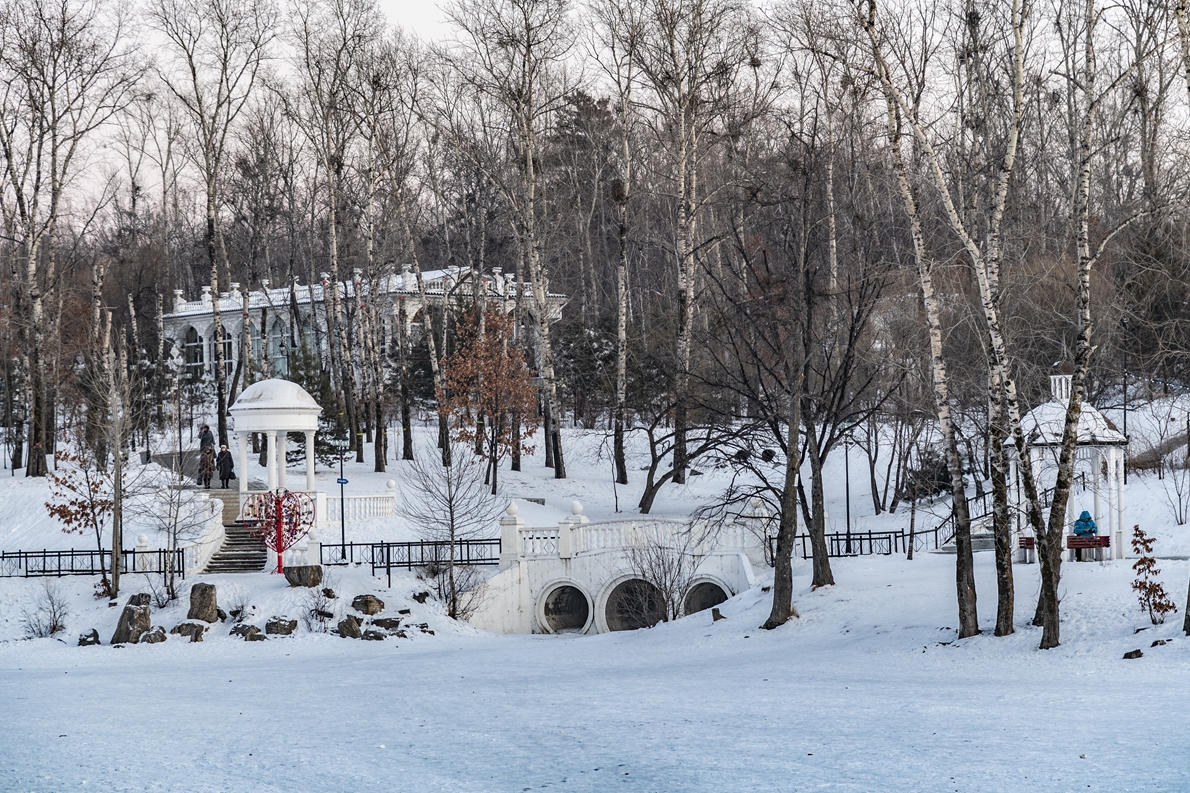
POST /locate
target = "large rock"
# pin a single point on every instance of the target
(140, 599)
(368, 604)
(203, 605)
(88, 639)
(307, 575)
(133, 622)
(349, 627)
(279, 626)
(192, 629)
(387, 623)
(250, 633)
(154, 636)
(374, 636)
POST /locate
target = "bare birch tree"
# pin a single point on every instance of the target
(217, 50)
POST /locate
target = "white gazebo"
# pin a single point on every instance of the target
(1098, 485)
(275, 408)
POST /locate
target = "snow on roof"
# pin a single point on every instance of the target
(1044, 424)
(275, 395)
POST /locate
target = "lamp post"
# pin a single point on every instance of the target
(341, 444)
(847, 485)
(1124, 326)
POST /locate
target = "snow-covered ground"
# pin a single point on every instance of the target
(867, 691)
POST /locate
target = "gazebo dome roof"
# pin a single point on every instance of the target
(275, 405)
(1044, 424)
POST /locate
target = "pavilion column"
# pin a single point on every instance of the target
(309, 461)
(1118, 470)
(271, 450)
(1096, 469)
(282, 443)
(242, 438)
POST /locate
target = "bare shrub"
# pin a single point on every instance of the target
(1149, 592)
(469, 586)
(667, 566)
(1176, 485)
(319, 609)
(47, 615)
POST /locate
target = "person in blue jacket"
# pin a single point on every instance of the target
(1085, 525)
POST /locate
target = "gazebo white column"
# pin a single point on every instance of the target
(1118, 473)
(309, 461)
(271, 437)
(282, 443)
(242, 439)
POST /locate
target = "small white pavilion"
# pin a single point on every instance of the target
(275, 408)
(1098, 485)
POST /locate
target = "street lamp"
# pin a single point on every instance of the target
(847, 486)
(341, 444)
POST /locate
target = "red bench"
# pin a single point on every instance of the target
(1075, 544)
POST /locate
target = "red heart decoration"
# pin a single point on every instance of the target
(297, 518)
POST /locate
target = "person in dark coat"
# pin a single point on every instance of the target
(225, 466)
(206, 439)
(206, 466)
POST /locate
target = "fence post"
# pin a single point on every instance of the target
(142, 564)
(510, 536)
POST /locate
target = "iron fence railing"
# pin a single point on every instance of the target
(387, 556)
(30, 564)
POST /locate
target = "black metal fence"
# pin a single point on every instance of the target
(31, 564)
(388, 556)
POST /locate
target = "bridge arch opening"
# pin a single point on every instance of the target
(703, 596)
(634, 604)
(566, 609)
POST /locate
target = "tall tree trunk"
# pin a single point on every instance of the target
(220, 368)
(823, 575)
(1001, 520)
(783, 607)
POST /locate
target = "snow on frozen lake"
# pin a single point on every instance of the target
(868, 691)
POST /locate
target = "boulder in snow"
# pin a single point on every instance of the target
(307, 575)
(133, 622)
(250, 633)
(349, 627)
(88, 639)
(374, 636)
(192, 629)
(387, 623)
(203, 605)
(368, 604)
(140, 599)
(154, 636)
(279, 626)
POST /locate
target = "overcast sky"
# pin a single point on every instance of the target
(423, 17)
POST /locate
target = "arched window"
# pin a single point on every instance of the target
(257, 342)
(192, 356)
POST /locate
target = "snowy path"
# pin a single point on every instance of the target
(859, 695)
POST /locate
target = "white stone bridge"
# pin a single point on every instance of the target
(587, 577)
